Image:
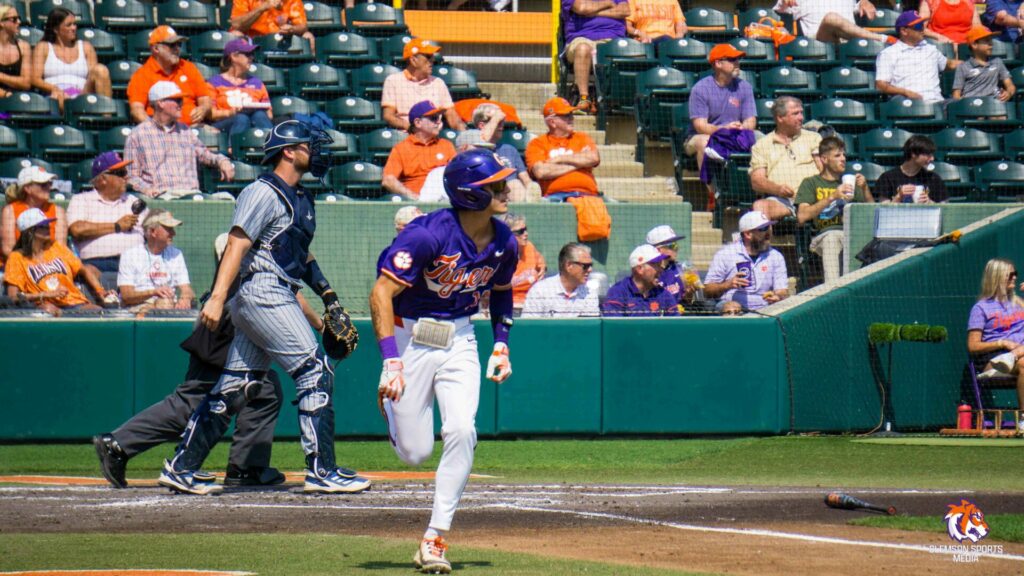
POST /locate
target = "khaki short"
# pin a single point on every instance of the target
(690, 146)
(570, 50)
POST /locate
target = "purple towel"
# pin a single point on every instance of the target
(725, 142)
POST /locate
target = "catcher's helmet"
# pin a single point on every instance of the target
(292, 132)
(468, 173)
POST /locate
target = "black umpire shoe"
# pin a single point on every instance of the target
(112, 460)
(255, 476)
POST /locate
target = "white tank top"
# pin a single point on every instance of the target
(64, 75)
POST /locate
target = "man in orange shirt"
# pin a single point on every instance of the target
(562, 160)
(415, 84)
(413, 158)
(262, 17)
(166, 64)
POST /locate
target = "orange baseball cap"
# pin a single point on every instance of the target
(164, 34)
(558, 107)
(419, 46)
(724, 51)
(979, 33)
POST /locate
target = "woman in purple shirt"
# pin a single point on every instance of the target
(996, 323)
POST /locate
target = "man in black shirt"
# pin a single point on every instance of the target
(900, 183)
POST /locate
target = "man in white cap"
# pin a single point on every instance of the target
(749, 271)
(150, 274)
(665, 239)
(163, 151)
(640, 293)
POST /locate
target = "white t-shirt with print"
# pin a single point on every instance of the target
(145, 271)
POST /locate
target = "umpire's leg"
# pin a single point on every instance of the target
(254, 426)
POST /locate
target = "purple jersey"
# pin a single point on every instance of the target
(439, 266)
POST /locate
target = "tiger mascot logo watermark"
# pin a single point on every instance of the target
(965, 521)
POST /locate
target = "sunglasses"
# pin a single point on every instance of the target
(585, 265)
(520, 232)
(733, 60)
(172, 46)
(672, 246)
(119, 173)
(12, 19)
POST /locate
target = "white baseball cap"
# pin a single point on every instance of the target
(163, 90)
(34, 175)
(753, 220)
(663, 234)
(645, 254)
(31, 218)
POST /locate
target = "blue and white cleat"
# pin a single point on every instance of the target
(339, 481)
(199, 483)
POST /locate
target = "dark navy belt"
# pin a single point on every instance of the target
(281, 281)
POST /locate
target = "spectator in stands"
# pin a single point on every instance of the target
(749, 271)
(587, 23)
(153, 275)
(43, 272)
(163, 151)
(567, 294)
(721, 100)
(404, 215)
(780, 161)
(820, 201)
(531, 266)
(1005, 17)
(731, 308)
(995, 327)
(949, 20)
(640, 294)
(676, 277)
(655, 20)
(102, 221)
(911, 67)
(433, 187)
(241, 101)
(831, 20)
(262, 17)
(413, 158)
(563, 160)
(64, 66)
(489, 118)
(899, 184)
(415, 84)
(32, 190)
(15, 54)
(981, 74)
(165, 64)
(467, 106)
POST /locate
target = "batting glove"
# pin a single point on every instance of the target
(498, 367)
(392, 381)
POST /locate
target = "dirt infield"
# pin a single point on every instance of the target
(729, 530)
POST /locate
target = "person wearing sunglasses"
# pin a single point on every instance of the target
(165, 64)
(748, 271)
(412, 159)
(640, 293)
(568, 294)
(15, 54)
(32, 190)
(531, 266)
(678, 278)
(416, 83)
(995, 327)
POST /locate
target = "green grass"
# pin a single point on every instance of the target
(1002, 527)
(276, 555)
(776, 461)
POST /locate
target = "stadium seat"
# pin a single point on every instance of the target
(913, 115)
(967, 146)
(354, 115)
(39, 10)
(845, 115)
(765, 117)
(291, 105)
(92, 112)
(618, 63)
(208, 47)
(684, 54)
(120, 74)
(283, 51)
(30, 34)
(883, 145)
(109, 46)
(12, 142)
(368, 80)
(957, 179)
(710, 25)
(759, 55)
(849, 82)
(62, 143)
(1017, 75)
(871, 171)
(318, 82)
(789, 81)
(187, 16)
(1003, 181)
(376, 146)
(321, 18)
(860, 53)
(734, 191)
(518, 139)
(449, 135)
(658, 90)
(30, 110)
(331, 197)
(245, 173)
(988, 113)
(113, 138)
(390, 48)
(273, 78)
(377, 20)
(247, 146)
(348, 50)
(313, 184)
(358, 180)
(461, 83)
(344, 148)
(884, 21)
(754, 15)
(213, 139)
(808, 54)
(9, 168)
(124, 16)
(80, 175)
(850, 142)
(1014, 145)
(137, 46)
(205, 71)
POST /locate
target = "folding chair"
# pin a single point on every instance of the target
(979, 378)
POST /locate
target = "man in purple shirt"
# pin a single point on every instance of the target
(720, 100)
(1005, 17)
(586, 23)
(750, 271)
(640, 293)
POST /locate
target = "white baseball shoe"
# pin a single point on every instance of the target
(340, 481)
(429, 559)
(199, 483)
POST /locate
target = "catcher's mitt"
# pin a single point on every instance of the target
(340, 336)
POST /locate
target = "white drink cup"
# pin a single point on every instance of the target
(850, 179)
(918, 193)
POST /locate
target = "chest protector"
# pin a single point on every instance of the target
(290, 247)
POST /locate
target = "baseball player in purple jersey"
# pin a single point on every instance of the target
(431, 280)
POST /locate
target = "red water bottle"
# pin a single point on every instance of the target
(964, 417)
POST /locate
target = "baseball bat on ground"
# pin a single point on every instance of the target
(847, 502)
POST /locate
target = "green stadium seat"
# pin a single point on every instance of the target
(9, 168)
(850, 142)
(845, 115)
(449, 135)
(368, 80)
(12, 142)
(29, 110)
(968, 146)
(913, 115)
(658, 90)
(331, 197)
(957, 179)
(353, 114)
(871, 171)
(39, 10)
(1014, 145)
(247, 146)
(760, 55)
(344, 148)
(283, 51)
(93, 112)
(789, 81)
(390, 48)
(62, 143)
(754, 15)
(734, 191)
(883, 145)
(1017, 75)
(187, 17)
(710, 25)
(273, 78)
(518, 139)
(313, 184)
(461, 83)
(206, 71)
(213, 139)
(986, 113)
(291, 105)
(1003, 181)
(321, 18)
(884, 21)
(619, 61)
(80, 175)
(245, 173)
(765, 117)
(377, 20)
(686, 54)
(849, 82)
(124, 16)
(30, 34)
(120, 74)
(360, 180)
(137, 46)
(808, 54)
(113, 138)
(376, 146)
(109, 46)
(318, 82)
(348, 50)
(860, 53)
(208, 47)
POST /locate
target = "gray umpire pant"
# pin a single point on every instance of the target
(165, 420)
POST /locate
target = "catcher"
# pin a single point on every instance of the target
(268, 247)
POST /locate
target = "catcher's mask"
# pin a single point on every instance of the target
(302, 129)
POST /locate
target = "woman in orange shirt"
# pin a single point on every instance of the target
(531, 266)
(655, 20)
(949, 20)
(31, 191)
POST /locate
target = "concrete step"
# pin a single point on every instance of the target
(617, 153)
(709, 236)
(702, 218)
(533, 120)
(619, 170)
(525, 97)
(703, 253)
(641, 190)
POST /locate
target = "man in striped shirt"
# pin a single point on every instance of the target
(163, 151)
